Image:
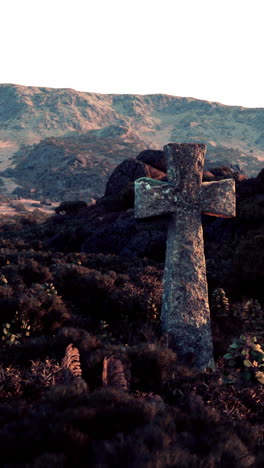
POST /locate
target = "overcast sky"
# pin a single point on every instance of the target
(207, 49)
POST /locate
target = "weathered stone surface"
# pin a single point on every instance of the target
(153, 197)
(185, 311)
(218, 198)
(128, 171)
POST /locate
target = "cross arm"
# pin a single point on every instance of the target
(154, 197)
(218, 198)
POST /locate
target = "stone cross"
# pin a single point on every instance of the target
(185, 314)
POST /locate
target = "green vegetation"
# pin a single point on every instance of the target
(248, 356)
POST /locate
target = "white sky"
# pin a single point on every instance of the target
(207, 49)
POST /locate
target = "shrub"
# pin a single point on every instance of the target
(71, 207)
(151, 366)
(16, 330)
(247, 356)
(247, 269)
(87, 289)
(219, 303)
(251, 209)
(45, 312)
(250, 314)
(33, 272)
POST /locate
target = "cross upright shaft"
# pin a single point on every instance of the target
(185, 306)
(185, 311)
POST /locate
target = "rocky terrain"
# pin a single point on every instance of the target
(72, 167)
(86, 377)
(63, 144)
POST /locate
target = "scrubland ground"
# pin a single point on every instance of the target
(86, 378)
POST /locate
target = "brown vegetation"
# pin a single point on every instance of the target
(86, 377)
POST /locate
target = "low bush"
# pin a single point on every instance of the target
(246, 355)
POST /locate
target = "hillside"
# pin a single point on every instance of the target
(75, 166)
(64, 144)
(87, 378)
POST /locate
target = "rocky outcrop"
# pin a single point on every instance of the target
(109, 226)
(153, 158)
(128, 171)
(152, 164)
(72, 168)
(260, 181)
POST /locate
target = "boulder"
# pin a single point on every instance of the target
(154, 158)
(71, 207)
(109, 226)
(251, 209)
(128, 171)
(247, 188)
(208, 176)
(260, 181)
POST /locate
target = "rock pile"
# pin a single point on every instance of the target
(109, 226)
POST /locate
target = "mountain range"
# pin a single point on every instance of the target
(64, 144)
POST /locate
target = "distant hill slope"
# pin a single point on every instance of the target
(86, 134)
(73, 167)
